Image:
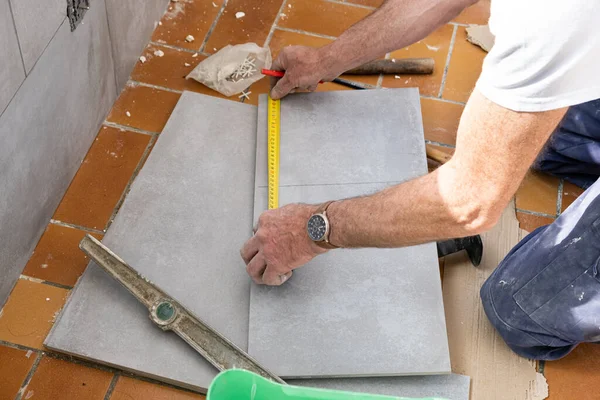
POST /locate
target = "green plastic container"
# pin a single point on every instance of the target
(237, 384)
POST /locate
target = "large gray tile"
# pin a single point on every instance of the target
(37, 21)
(351, 312)
(11, 73)
(45, 133)
(361, 312)
(131, 24)
(450, 387)
(187, 215)
(346, 137)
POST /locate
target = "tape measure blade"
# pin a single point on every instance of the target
(273, 151)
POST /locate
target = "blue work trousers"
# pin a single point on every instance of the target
(544, 297)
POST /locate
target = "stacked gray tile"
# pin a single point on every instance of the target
(182, 224)
(359, 312)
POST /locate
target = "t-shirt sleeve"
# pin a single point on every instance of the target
(546, 54)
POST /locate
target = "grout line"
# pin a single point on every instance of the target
(280, 28)
(49, 283)
(111, 386)
(131, 82)
(112, 50)
(457, 23)
(423, 96)
(31, 279)
(265, 186)
(561, 185)
(134, 175)
(74, 226)
(379, 84)
(213, 26)
(19, 346)
(275, 22)
(450, 49)
(170, 46)
(128, 128)
(351, 4)
(536, 213)
(12, 16)
(440, 144)
(27, 379)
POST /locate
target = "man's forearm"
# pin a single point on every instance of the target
(467, 195)
(394, 25)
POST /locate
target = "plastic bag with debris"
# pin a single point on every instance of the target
(233, 68)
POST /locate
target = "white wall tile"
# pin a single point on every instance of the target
(36, 22)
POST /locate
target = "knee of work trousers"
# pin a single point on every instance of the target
(544, 297)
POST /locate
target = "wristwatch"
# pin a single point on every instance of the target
(319, 228)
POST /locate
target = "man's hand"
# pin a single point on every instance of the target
(304, 67)
(280, 244)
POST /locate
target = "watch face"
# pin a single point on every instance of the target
(317, 227)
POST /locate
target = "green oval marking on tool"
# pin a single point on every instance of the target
(165, 311)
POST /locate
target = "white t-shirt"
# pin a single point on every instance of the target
(546, 54)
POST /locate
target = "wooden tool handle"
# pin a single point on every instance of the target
(437, 155)
(398, 66)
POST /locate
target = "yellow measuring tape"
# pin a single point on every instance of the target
(273, 152)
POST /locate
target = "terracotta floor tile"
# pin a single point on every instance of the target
(170, 71)
(575, 377)
(435, 46)
(464, 69)
(149, 108)
(134, 389)
(538, 192)
(29, 313)
(14, 367)
(102, 178)
(57, 257)
(59, 379)
(570, 194)
(319, 16)
(531, 222)
(478, 13)
(440, 120)
(253, 27)
(187, 17)
(281, 39)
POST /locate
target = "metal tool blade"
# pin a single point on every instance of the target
(169, 315)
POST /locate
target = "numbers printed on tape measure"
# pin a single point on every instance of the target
(273, 152)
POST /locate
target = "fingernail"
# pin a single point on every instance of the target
(283, 278)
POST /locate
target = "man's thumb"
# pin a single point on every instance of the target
(282, 88)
